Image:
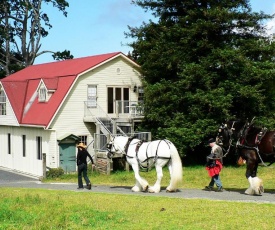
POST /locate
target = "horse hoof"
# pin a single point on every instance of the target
(136, 189)
(261, 189)
(170, 190)
(146, 189)
(153, 190)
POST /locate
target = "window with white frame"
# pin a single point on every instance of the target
(83, 139)
(92, 96)
(42, 95)
(3, 103)
(140, 94)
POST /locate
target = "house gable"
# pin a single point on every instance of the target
(12, 113)
(37, 92)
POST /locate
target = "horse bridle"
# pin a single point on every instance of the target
(109, 148)
(230, 133)
(124, 151)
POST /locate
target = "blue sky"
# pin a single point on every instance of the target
(97, 26)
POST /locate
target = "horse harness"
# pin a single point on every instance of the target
(241, 142)
(258, 139)
(230, 132)
(139, 143)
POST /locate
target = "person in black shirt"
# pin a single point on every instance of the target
(81, 161)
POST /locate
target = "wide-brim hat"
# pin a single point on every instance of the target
(211, 140)
(81, 145)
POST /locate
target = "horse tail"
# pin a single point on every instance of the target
(176, 165)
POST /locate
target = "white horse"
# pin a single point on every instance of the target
(144, 155)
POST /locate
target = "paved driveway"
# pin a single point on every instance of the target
(11, 179)
(8, 176)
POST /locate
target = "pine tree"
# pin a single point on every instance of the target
(204, 61)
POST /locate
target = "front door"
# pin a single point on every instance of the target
(67, 157)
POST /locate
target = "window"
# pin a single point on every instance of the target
(9, 143)
(39, 147)
(42, 94)
(83, 139)
(3, 103)
(120, 95)
(24, 145)
(92, 96)
(140, 94)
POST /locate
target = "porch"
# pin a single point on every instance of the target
(121, 122)
(103, 163)
(123, 110)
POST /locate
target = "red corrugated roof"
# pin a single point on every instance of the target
(60, 68)
(16, 92)
(41, 113)
(21, 87)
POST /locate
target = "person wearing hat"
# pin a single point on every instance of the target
(81, 161)
(214, 166)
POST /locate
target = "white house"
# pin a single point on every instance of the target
(48, 108)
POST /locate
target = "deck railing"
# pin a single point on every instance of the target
(130, 108)
(133, 108)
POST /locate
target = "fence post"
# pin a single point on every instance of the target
(44, 164)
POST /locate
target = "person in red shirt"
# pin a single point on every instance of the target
(214, 166)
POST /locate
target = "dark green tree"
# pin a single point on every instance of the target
(23, 24)
(59, 56)
(204, 61)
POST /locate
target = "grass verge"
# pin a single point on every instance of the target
(44, 209)
(48, 209)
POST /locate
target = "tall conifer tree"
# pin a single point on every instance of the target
(204, 61)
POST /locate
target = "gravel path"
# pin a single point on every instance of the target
(12, 179)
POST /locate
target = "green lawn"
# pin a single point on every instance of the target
(193, 177)
(49, 209)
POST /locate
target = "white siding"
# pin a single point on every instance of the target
(10, 118)
(52, 158)
(69, 119)
(108, 77)
(28, 164)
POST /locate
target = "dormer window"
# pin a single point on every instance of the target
(42, 94)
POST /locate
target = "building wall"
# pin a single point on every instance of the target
(15, 160)
(108, 76)
(10, 118)
(69, 119)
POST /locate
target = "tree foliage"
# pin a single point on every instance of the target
(59, 56)
(204, 62)
(23, 24)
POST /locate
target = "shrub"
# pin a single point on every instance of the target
(55, 172)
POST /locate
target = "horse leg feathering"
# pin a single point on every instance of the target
(156, 188)
(141, 184)
(256, 186)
